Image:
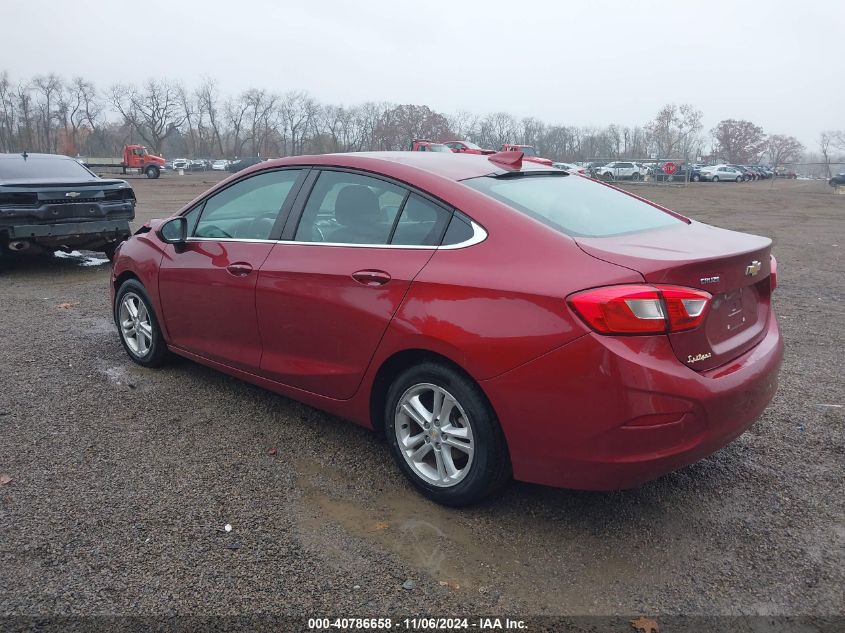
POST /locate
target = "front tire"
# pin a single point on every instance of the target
(138, 326)
(696, 178)
(739, 178)
(715, 179)
(444, 436)
(152, 172)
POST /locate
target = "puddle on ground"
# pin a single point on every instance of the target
(420, 533)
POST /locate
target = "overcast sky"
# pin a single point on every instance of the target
(777, 63)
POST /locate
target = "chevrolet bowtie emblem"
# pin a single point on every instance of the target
(72, 194)
(753, 268)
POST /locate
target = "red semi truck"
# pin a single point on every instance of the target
(134, 157)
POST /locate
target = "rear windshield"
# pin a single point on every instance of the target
(41, 167)
(573, 205)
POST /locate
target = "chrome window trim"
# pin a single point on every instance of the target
(478, 236)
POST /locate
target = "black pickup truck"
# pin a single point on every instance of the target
(50, 202)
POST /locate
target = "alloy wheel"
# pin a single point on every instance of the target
(136, 327)
(434, 435)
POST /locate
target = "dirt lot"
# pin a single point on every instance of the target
(123, 478)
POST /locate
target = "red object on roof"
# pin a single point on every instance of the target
(514, 159)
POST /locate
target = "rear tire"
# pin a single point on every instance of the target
(453, 452)
(695, 178)
(138, 326)
(715, 179)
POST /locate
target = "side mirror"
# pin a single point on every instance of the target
(174, 231)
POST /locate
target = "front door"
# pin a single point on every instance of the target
(207, 286)
(326, 297)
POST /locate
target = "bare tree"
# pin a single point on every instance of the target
(783, 149)
(208, 103)
(739, 141)
(153, 112)
(48, 89)
(675, 130)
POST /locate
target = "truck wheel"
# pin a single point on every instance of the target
(152, 172)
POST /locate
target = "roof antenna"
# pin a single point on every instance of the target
(25, 155)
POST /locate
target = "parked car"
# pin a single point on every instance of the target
(199, 165)
(572, 168)
(721, 173)
(220, 165)
(243, 163)
(747, 174)
(181, 163)
(837, 181)
(659, 174)
(50, 202)
(783, 172)
(466, 147)
(765, 171)
(625, 340)
(422, 145)
(620, 170)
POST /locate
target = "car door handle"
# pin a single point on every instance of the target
(239, 269)
(371, 277)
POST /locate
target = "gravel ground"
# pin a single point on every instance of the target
(123, 478)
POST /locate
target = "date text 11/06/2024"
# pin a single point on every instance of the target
(414, 624)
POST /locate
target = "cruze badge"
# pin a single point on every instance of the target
(72, 194)
(753, 268)
(694, 359)
(710, 280)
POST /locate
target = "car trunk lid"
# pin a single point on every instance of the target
(734, 267)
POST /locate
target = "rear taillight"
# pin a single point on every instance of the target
(773, 277)
(641, 309)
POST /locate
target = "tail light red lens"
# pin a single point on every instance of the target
(773, 278)
(641, 309)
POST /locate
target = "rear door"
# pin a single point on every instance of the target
(326, 294)
(207, 286)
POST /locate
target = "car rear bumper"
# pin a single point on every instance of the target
(70, 233)
(605, 413)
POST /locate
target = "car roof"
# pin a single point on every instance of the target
(451, 166)
(19, 156)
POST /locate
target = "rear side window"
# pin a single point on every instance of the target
(421, 224)
(349, 208)
(574, 206)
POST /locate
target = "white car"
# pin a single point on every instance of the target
(220, 165)
(181, 163)
(619, 170)
(721, 173)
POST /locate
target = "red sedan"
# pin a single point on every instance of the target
(491, 317)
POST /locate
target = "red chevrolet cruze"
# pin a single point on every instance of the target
(492, 317)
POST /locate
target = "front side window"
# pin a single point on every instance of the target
(574, 206)
(348, 208)
(248, 209)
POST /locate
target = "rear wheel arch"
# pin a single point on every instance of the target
(395, 365)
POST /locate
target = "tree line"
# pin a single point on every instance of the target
(49, 113)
